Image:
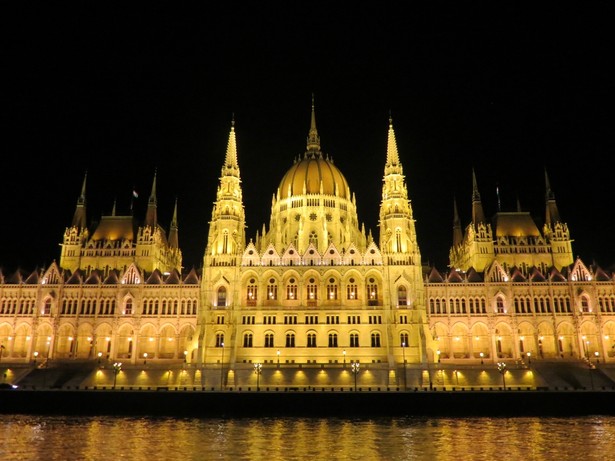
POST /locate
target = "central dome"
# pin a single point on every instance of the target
(313, 175)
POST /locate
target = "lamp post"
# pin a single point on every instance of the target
(117, 367)
(222, 368)
(529, 359)
(258, 368)
(144, 358)
(344, 354)
(403, 351)
(482, 356)
(99, 357)
(502, 370)
(355, 371)
(185, 356)
(35, 357)
(438, 354)
(597, 355)
(278, 354)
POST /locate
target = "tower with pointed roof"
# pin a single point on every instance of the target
(401, 255)
(116, 242)
(512, 238)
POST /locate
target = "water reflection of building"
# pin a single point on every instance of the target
(312, 290)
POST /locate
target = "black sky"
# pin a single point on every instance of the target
(121, 91)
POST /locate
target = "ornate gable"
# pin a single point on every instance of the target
(496, 273)
(372, 255)
(291, 257)
(332, 257)
(580, 272)
(52, 275)
(270, 257)
(352, 256)
(311, 257)
(132, 276)
(250, 256)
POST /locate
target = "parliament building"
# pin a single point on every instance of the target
(312, 297)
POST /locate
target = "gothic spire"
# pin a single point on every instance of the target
(478, 215)
(79, 218)
(174, 230)
(313, 140)
(457, 234)
(393, 165)
(230, 162)
(552, 213)
(151, 217)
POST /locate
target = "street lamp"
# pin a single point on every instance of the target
(403, 351)
(529, 359)
(258, 368)
(117, 367)
(344, 354)
(438, 354)
(355, 371)
(99, 356)
(278, 353)
(482, 355)
(144, 358)
(185, 356)
(502, 370)
(597, 355)
(35, 357)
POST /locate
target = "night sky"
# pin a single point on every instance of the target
(124, 91)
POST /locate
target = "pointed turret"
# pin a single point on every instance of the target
(313, 140)
(457, 233)
(397, 231)
(79, 218)
(393, 165)
(552, 213)
(151, 217)
(174, 230)
(478, 215)
(227, 226)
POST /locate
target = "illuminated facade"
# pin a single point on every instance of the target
(312, 290)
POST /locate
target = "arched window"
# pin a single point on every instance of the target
(585, 304)
(354, 340)
(290, 340)
(311, 340)
(268, 339)
(219, 339)
(332, 289)
(375, 339)
(272, 290)
(372, 292)
(128, 307)
(314, 238)
(402, 295)
(351, 289)
(252, 291)
(403, 339)
(398, 245)
(332, 339)
(499, 305)
(221, 297)
(247, 340)
(291, 289)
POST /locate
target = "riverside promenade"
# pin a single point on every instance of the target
(102, 388)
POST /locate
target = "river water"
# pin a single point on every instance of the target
(28, 437)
